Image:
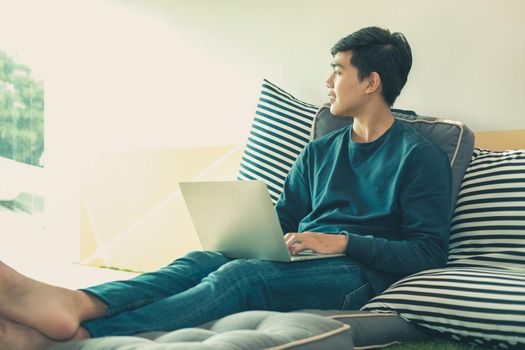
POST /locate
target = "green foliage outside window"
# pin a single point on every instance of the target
(21, 112)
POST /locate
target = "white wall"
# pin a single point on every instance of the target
(468, 54)
(124, 74)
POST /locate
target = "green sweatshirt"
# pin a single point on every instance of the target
(392, 196)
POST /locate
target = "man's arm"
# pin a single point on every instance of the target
(425, 204)
(295, 200)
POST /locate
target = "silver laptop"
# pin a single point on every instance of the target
(238, 219)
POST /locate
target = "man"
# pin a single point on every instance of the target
(376, 191)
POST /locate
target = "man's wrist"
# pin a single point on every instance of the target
(345, 235)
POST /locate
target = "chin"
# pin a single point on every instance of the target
(333, 110)
(336, 112)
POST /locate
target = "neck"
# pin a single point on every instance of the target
(370, 125)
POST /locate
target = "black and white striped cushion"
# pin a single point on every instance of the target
(488, 228)
(480, 306)
(281, 129)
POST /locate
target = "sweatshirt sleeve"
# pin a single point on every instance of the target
(424, 199)
(295, 200)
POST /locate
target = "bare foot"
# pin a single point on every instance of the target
(55, 312)
(14, 336)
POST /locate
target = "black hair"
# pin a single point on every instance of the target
(375, 49)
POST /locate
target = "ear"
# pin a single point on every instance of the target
(374, 83)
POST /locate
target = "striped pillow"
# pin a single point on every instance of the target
(281, 129)
(480, 306)
(488, 227)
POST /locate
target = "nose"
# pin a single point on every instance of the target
(329, 83)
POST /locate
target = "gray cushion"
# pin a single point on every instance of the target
(252, 330)
(249, 330)
(375, 330)
(453, 137)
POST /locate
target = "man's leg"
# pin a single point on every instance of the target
(57, 312)
(182, 274)
(243, 285)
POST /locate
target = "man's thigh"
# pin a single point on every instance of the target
(332, 283)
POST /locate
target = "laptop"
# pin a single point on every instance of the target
(238, 219)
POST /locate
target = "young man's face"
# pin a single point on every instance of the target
(346, 92)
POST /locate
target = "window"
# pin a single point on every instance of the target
(21, 136)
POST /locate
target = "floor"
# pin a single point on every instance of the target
(26, 246)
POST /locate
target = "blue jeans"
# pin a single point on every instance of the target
(204, 286)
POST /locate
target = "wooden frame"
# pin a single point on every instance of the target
(501, 140)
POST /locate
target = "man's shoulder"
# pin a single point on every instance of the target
(412, 137)
(330, 138)
(418, 145)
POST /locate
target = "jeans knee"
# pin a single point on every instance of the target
(201, 256)
(238, 271)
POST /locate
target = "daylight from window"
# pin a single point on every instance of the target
(21, 135)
